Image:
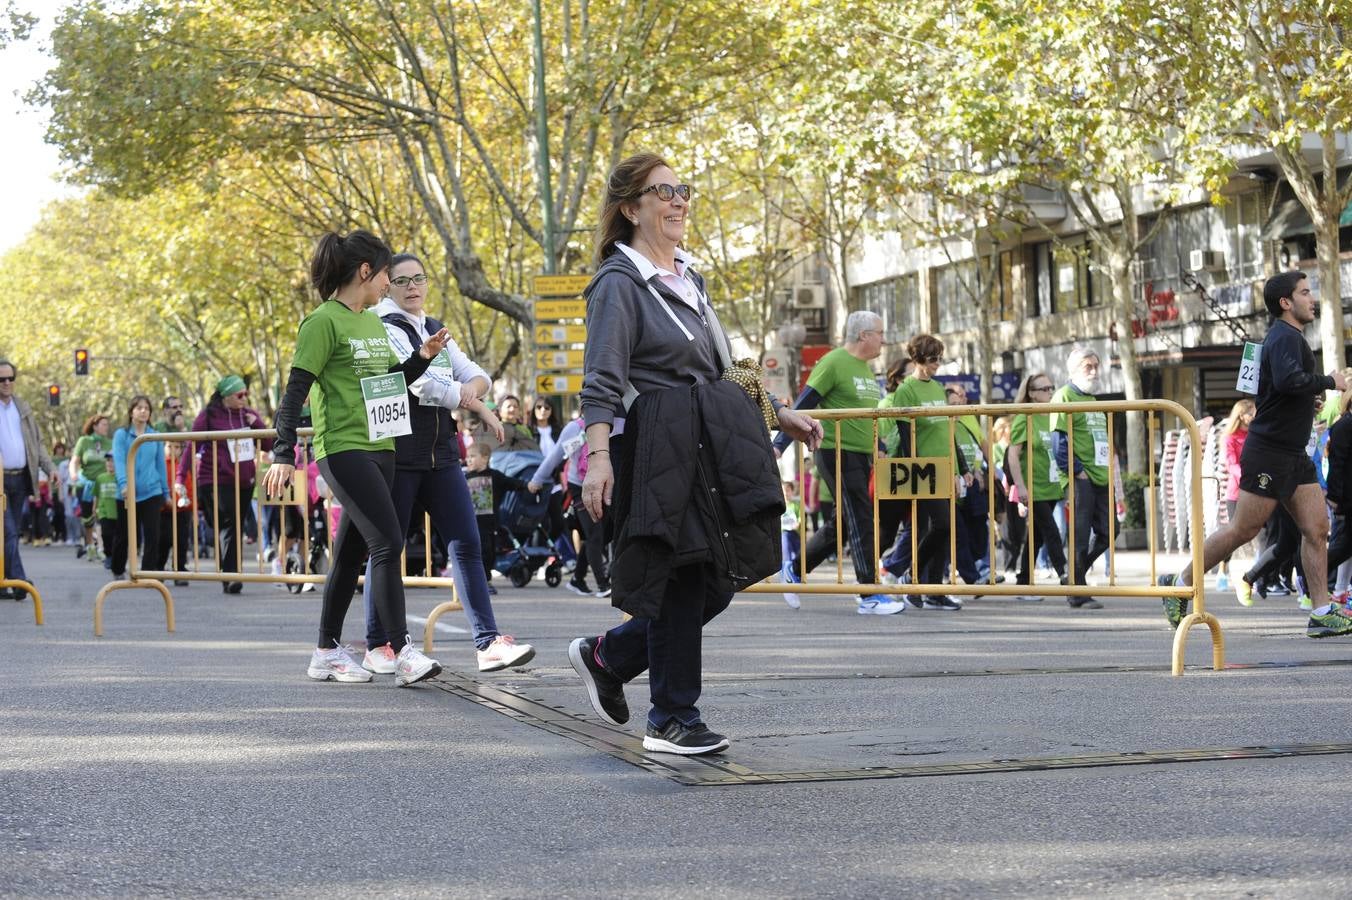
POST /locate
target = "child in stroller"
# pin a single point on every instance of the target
(511, 518)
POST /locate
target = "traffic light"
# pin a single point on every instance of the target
(53, 395)
(81, 362)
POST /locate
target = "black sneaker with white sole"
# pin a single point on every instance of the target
(941, 601)
(687, 740)
(579, 587)
(605, 691)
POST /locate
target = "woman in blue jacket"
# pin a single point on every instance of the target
(152, 490)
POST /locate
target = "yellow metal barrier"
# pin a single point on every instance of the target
(240, 452)
(1153, 408)
(6, 581)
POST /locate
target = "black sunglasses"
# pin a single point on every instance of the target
(666, 191)
(6, 377)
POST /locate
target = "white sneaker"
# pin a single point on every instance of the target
(792, 600)
(503, 653)
(337, 664)
(380, 660)
(411, 666)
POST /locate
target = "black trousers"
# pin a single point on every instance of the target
(1045, 534)
(362, 481)
(595, 552)
(171, 521)
(1091, 515)
(856, 513)
(148, 533)
(227, 536)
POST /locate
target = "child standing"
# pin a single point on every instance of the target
(486, 487)
(105, 507)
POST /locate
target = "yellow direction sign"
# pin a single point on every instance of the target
(558, 359)
(560, 309)
(918, 478)
(561, 334)
(558, 384)
(560, 285)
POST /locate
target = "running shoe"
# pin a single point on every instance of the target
(889, 578)
(381, 660)
(411, 666)
(789, 576)
(1175, 608)
(687, 740)
(604, 592)
(1336, 622)
(604, 690)
(579, 587)
(1223, 582)
(1305, 603)
(1243, 591)
(503, 653)
(1083, 603)
(337, 664)
(940, 601)
(880, 605)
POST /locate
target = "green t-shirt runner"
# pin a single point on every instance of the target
(340, 348)
(970, 441)
(90, 450)
(105, 495)
(1046, 483)
(931, 432)
(846, 382)
(1091, 436)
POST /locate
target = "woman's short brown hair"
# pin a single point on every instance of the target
(89, 423)
(623, 186)
(924, 347)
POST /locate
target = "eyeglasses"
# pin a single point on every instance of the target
(6, 378)
(543, 406)
(405, 280)
(666, 191)
(1041, 389)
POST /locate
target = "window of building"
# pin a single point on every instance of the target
(1039, 280)
(1243, 217)
(957, 288)
(1004, 303)
(896, 300)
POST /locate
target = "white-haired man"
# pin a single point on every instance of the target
(1093, 464)
(843, 379)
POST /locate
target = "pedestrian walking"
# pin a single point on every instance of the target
(1036, 478)
(1274, 467)
(152, 488)
(86, 463)
(427, 471)
(571, 450)
(23, 456)
(654, 357)
(358, 399)
(220, 493)
(843, 379)
(1092, 465)
(1234, 432)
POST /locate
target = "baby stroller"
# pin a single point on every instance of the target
(522, 541)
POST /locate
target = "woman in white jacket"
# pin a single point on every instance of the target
(428, 472)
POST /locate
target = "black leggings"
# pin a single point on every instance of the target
(362, 481)
(148, 526)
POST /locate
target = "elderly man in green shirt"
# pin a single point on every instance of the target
(1093, 464)
(843, 379)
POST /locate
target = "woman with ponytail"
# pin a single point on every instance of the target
(358, 397)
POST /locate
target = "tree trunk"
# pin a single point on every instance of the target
(1331, 333)
(1119, 266)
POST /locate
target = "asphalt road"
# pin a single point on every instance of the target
(205, 763)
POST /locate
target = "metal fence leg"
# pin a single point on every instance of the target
(125, 585)
(28, 588)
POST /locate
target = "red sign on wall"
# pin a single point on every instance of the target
(810, 356)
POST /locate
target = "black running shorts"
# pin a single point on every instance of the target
(1274, 473)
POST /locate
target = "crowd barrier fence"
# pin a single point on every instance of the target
(936, 470)
(242, 446)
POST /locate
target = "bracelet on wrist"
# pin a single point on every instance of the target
(591, 453)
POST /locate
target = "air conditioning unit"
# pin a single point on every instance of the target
(1206, 260)
(809, 296)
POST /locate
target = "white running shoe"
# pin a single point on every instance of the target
(337, 664)
(793, 600)
(411, 666)
(380, 660)
(503, 653)
(880, 605)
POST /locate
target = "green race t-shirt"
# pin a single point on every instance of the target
(90, 450)
(846, 382)
(105, 495)
(1091, 436)
(1046, 483)
(931, 432)
(340, 348)
(967, 435)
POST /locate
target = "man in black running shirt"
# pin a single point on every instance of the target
(1273, 465)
